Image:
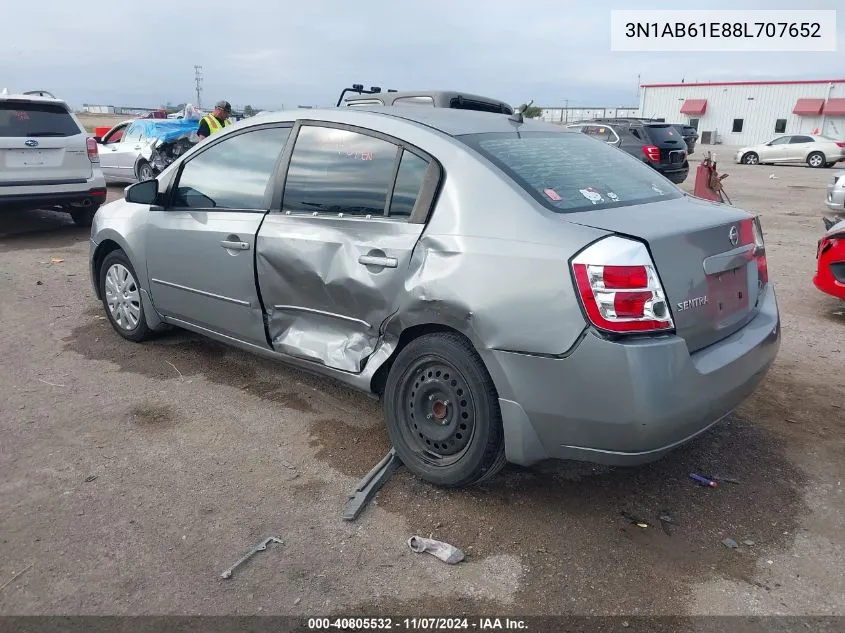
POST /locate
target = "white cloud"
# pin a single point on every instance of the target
(269, 53)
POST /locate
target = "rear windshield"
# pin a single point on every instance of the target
(663, 133)
(572, 172)
(35, 119)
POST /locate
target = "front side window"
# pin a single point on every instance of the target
(116, 135)
(570, 172)
(339, 171)
(232, 174)
(783, 140)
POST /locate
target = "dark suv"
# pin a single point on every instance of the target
(657, 144)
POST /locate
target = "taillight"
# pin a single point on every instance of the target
(838, 144)
(619, 287)
(760, 251)
(93, 153)
(652, 152)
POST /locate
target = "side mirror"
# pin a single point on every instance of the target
(144, 192)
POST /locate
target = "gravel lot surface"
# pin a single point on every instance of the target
(133, 475)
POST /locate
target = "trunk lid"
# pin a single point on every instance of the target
(40, 142)
(710, 283)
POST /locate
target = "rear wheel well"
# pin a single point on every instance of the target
(379, 379)
(105, 247)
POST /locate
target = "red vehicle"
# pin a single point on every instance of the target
(830, 256)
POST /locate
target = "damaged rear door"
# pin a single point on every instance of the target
(332, 263)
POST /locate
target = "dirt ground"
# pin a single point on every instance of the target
(133, 475)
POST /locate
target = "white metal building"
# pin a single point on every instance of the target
(750, 112)
(566, 114)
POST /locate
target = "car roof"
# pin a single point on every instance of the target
(450, 121)
(437, 94)
(33, 98)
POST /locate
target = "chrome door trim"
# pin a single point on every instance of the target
(170, 284)
(343, 317)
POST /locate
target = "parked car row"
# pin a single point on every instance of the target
(659, 145)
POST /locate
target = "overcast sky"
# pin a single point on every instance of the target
(274, 53)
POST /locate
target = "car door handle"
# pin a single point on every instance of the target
(235, 246)
(373, 260)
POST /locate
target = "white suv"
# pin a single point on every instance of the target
(47, 159)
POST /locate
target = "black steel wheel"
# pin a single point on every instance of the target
(442, 412)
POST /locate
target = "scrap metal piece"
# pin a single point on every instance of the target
(258, 548)
(370, 485)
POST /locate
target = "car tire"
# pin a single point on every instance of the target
(750, 158)
(83, 216)
(816, 159)
(442, 412)
(144, 171)
(121, 297)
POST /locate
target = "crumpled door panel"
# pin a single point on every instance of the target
(321, 302)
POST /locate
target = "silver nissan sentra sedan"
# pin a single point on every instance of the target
(512, 291)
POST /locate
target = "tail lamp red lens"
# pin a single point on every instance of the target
(624, 297)
(93, 152)
(652, 152)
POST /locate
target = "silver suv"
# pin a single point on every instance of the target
(47, 159)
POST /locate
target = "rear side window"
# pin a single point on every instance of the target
(35, 119)
(572, 172)
(339, 171)
(409, 181)
(662, 133)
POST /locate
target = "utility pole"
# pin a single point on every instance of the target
(198, 80)
(566, 108)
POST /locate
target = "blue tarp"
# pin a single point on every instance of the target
(167, 130)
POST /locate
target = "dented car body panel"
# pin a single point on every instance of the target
(471, 251)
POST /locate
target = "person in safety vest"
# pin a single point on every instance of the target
(215, 121)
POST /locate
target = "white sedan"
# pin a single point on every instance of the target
(814, 150)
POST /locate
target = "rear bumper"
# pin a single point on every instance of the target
(835, 200)
(628, 403)
(830, 272)
(37, 196)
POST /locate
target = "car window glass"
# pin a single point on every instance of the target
(570, 172)
(364, 102)
(22, 118)
(664, 133)
(801, 139)
(338, 171)
(409, 181)
(782, 140)
(115, 136)
(421, 100)
(132, 134)
(233, 174)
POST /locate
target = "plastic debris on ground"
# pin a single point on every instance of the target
(444, 551)
(704, 481)
(730, 543)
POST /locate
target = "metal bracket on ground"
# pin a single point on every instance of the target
(370, 485)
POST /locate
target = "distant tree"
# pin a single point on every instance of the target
(249, 110)
(530, 111)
